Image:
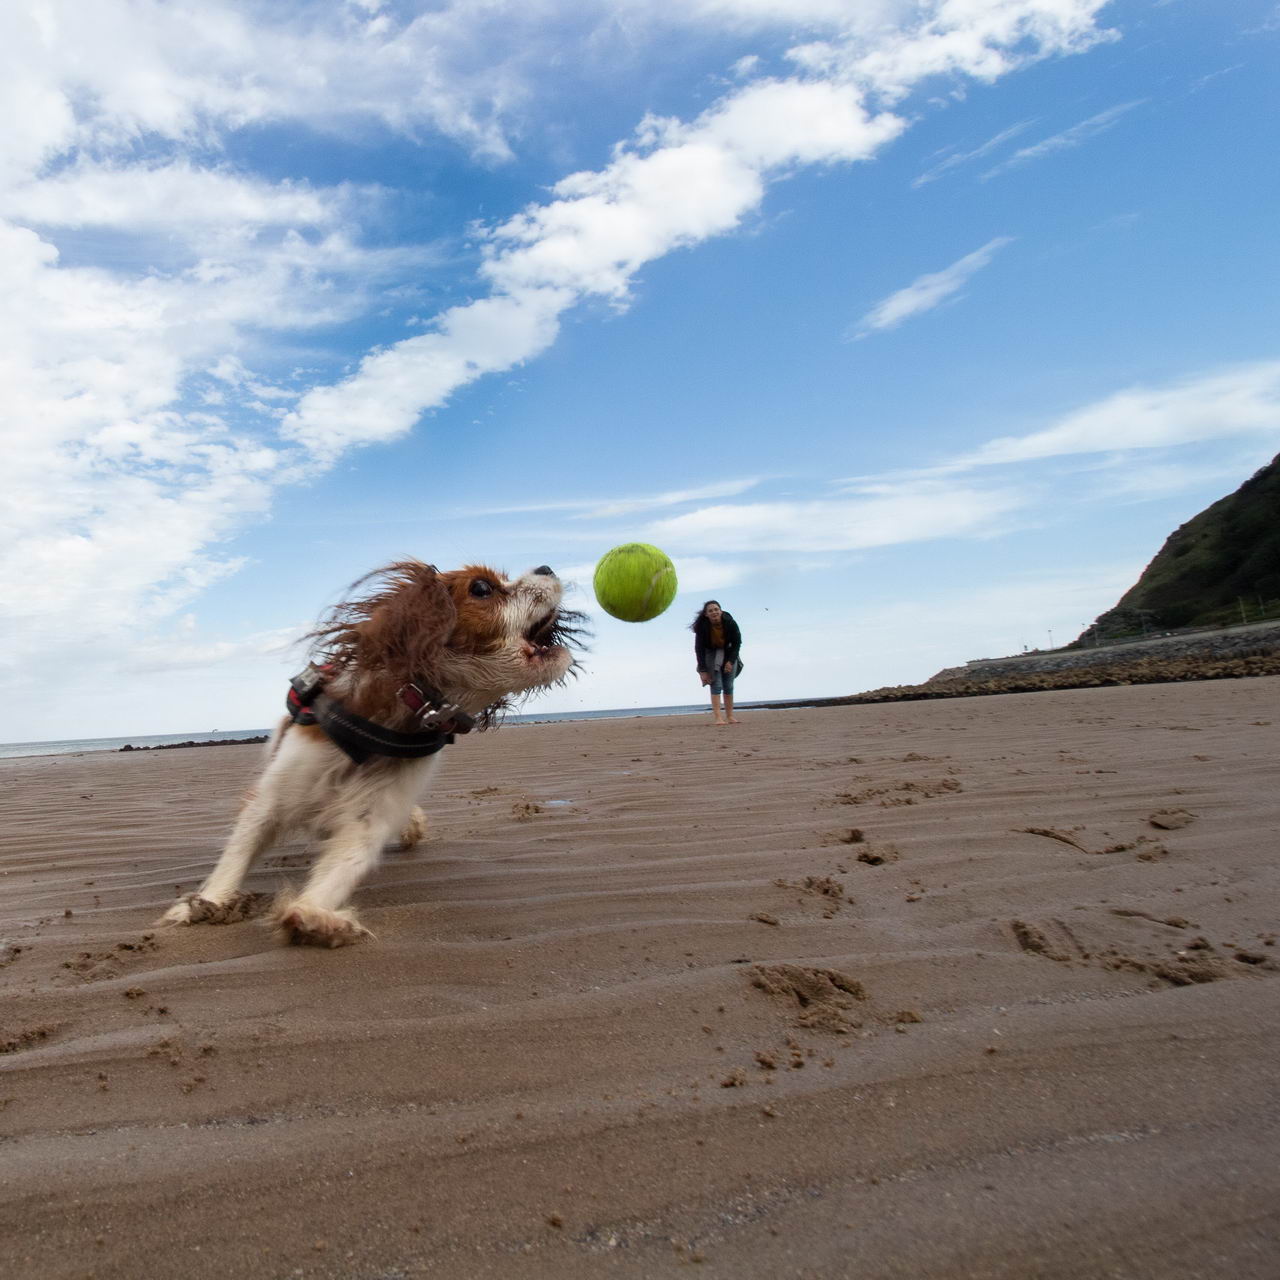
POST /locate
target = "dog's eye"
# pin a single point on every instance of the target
(480, 588)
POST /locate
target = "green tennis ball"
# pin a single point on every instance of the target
(635, 582)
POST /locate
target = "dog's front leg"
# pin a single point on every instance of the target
(219, 900)
(317, 916)
(414, 830)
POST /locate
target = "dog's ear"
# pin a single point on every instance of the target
(432, 608)
(412, 621)
(395, 623)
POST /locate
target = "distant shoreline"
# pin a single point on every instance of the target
(192, 742)
(1145, 671)
(1142, 671)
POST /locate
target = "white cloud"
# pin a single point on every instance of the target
(184, 650)
(604, 508)
(987, 619)
(834, 15)
(394, 387)
(701, 180)
(1268, 25)
(979, 39)
(707, 573)
(939, 503)
(1236, 401)
(674, 497)
(676, 185)
(114, 495)
(172, 197)
(882, 515)
(1157, 474)
(1076, 136)
(928, 291)
(103, 76)
(1201, 81)
(140, 431)
(955, 160)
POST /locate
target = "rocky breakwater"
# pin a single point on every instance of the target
(209, 742)
(1214, 655)
(1257, 640)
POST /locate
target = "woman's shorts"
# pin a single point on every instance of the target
(721, 680)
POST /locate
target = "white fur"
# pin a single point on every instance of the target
(311, 785)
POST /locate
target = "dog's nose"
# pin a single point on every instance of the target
(545, 570)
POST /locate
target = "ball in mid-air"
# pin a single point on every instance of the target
(635, 582)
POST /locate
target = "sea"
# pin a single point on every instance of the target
(77, 746)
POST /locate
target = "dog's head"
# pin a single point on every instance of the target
(477, 636)
(509, 635)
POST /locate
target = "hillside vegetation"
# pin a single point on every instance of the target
(1222, 566)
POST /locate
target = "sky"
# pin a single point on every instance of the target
(909, 329)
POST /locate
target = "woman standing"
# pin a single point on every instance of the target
(716, 642)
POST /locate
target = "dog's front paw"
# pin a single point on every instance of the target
(193, 909)
(181, 911)
(304, 924)
(415, 829)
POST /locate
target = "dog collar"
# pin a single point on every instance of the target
(307, 703)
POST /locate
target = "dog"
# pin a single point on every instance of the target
(410, 658)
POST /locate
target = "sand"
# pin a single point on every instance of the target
(976, 988)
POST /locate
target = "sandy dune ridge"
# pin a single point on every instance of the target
(975, 988)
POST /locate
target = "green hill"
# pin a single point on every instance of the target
(1222, 566)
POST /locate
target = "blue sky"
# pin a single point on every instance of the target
(909, 329)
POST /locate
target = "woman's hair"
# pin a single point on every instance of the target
(702, 613)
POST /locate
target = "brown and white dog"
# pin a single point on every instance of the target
(474, 638)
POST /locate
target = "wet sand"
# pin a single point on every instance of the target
(971, 988)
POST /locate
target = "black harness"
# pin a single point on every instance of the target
(360, 738)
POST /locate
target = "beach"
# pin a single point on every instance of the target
(979, 987)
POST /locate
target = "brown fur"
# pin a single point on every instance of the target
(476, 629)
(386, 636)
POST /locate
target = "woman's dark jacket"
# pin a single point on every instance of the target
(701, 637)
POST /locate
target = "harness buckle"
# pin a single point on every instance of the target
(308, 682)
(446, 716)
(433, 714)
(303, 689)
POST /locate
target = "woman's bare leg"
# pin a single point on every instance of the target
(715, 708)
(728, 709)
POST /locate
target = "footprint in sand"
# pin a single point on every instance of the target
(821, 998)
(1195, 961)
(1147, 848)
(900, 793)
(28, 1038)
(1053, 940)
(1171, 819)
(826, 889)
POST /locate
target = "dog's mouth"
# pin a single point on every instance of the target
(549, 637)
(535, 653)
(542, 640)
